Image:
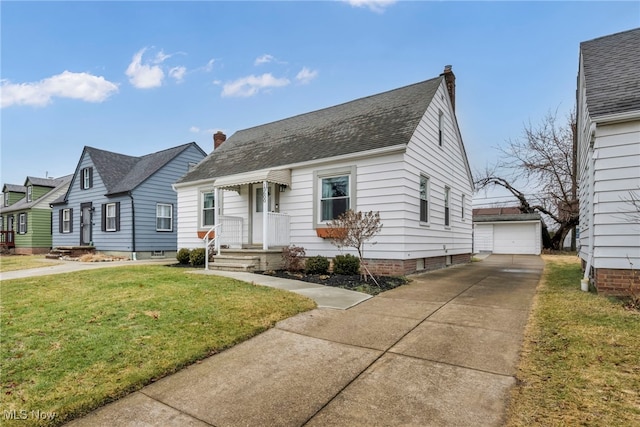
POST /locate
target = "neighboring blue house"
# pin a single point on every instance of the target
(123, 205)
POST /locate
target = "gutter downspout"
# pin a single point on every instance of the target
(592, 157)
(134, 256)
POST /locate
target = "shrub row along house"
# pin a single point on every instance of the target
(399, 153)
(25, 215)
(608, 130)
(123, 205)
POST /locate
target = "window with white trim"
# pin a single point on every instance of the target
(6, 199)
(462, 202)
(447, 212)
(110, 217)
(87, 178)
(440, 128)
(22, 223)
(66, 220)
(164, 217)
(335, 197)
(208, 209)
(424, 198)
(29, 193)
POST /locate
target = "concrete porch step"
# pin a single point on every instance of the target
(232, 266)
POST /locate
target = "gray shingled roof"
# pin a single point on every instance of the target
(44, 182)
(612, 73)
(377, 121)
(22, 204)
(14, 188)
(121, 173)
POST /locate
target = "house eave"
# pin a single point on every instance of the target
(626, 116)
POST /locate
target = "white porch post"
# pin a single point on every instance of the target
(265, 217)
(217, 211)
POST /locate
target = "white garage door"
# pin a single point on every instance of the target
(516, 239)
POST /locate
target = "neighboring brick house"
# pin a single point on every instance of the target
(608, 131)
(25, 215)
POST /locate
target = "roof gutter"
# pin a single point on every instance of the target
(617, 117)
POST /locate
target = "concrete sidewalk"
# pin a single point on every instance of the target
(441, 351)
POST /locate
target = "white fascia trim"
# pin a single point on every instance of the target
(194, 183)
(617, 117)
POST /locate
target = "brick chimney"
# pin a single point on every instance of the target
(450, 80)
(218, 139)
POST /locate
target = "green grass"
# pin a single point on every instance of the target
(73, 342)
(23, 262)
(581, 359)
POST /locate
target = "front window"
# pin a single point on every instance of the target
(164, 217)
(22, 223)
(208, 209)
(66, 220)
(424, 199)
(335, 199)
(29, 193)
(110, 217)
(446, 206)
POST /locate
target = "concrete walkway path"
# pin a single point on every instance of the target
(441, 351)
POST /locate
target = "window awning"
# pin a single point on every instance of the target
(280, 176)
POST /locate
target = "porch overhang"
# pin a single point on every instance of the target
(276, 176)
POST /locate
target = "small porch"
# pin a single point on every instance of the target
(7, 239)
(253, 238)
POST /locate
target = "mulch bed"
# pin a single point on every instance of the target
(353, 283)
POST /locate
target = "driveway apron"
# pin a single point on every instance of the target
(441, 351)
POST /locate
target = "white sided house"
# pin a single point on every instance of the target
(608, 128)
(399, 153)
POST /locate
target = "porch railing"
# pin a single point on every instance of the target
(212, 238)
(231, 231)
(7, 239)
(279, 229)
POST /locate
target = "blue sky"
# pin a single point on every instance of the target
(138, 77)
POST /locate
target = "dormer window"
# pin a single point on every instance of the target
(29, 193)
(6, 199)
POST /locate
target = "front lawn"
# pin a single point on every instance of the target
(73, 342)
(22, 262)
(581, 359)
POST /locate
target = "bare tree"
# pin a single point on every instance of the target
(539, 170)
(354, 229)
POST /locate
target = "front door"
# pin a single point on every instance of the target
(85, 224)
(257, 215)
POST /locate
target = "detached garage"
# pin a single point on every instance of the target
(506, 231)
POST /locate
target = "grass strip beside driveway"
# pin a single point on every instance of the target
(73, 342)
(581, 359)
(23, 262)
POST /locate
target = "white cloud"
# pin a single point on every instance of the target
(377, 6)
(264, 59)
(145, 76)
(209, 65)
(194, 129)
(251, 85)
(82, 86)
(178, 73)
(306, 75)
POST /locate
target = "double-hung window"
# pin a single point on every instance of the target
(440, 128)
(66, 220)
(335, 197)
(424, 198)
(29, 194)
(208, 209)
(6, 199)
(86, 178)
(447, 212)
(164, 217)
(462, 202)
(22, 223)
(110, 220)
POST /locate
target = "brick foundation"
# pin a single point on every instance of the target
(31, 251)
(616, 282)
(396, 267)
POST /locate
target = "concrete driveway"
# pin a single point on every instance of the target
(441, 351)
